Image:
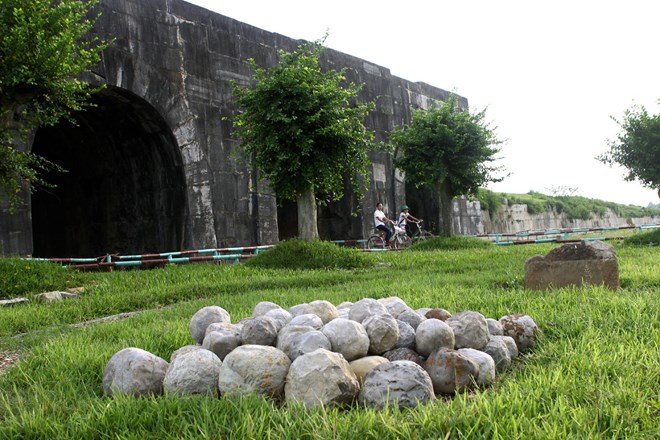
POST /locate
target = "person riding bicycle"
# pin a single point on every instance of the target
(381, 221)
(404, 218)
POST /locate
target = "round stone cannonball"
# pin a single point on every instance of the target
(497, 349)
(411, 317)
(307, 343)
(323, 309)
(383, 333)
(404, 354)
(470, 330)
(347, 337)
(394, 305)
(134, 371)
(261, 330)
(183, 350)
(321, 378)
(450, 371)
(366, 308)
(195, 372)
(522, 329)
(510, 344)
(440, 314)
(345, 305)
(254, 369)
(307, 319)
(222, 342)
(363, 365)
(407, 336)
(205, 317)
(298, 309)
(486, 364)
(281, 317)
(219, 326)
(287, 334)
(401, 383)
(433, 334)
(494, 327)
(263, 307)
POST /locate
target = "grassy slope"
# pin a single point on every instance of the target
(594, 374)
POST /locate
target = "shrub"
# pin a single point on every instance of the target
(650, 238)
(315, 254)
(455, 242)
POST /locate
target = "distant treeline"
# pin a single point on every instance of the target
(574, 207)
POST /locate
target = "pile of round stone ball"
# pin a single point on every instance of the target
(380, 352)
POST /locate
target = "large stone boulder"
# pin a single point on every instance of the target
(401, 383)
(522, 329)
(307, 343)
(407, 336)
(323, 309)
(433, 334)
(261, 330)
(470, 330)
(383, 333)
(591, 262)
(366, 308)
(450, 371)
(486, 364)
(321, 378)
(183, 350)
(288, 333)
(264, 307)
(222, 341)
(307, 319)
(205, 317)
(134, 371)
(195, 372)
(254, 369)
(347, 337)
(280, 316)
(404, 354)
(363, 365)
(412, 318)
(499, 352)
(394, 305)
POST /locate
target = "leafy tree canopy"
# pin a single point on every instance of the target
(448, 146)
(303, 126)
(637, 147)
(43, 48)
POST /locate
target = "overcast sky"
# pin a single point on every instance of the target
(550, 73)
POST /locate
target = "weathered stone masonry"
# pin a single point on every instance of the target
(152, 166)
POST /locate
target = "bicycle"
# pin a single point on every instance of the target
(420, 234)
(399, 240)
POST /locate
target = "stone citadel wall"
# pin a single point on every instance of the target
(151, 166)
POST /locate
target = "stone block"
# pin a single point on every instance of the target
(587, 263)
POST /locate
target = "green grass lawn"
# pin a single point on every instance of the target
(595, 372)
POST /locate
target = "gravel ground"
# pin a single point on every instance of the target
(6, 360)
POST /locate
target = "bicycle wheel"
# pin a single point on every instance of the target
(423, 236)
(402, 241)
(376, 242)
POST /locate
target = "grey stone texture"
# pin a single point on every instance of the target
(168, 77)
(522, 329)
(321, 378)
(195, 372)
(347, 337)
(470, 330)
(135, 372)
(254, 369)
(433, 334)
(205, 317)
(363, 365)
(587, 263)
(450, 371)
(401, 383)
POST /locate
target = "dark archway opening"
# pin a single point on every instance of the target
(125, 189)
(287, 219)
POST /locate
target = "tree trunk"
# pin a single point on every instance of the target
(307, 227)
(446, 208)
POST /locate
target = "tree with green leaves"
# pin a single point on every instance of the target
(637, 147)
(449, 150)
(304, 129)
(44, 47)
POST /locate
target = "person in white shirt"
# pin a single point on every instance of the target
(404, 218)
(381, 221)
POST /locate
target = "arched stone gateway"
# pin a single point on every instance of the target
(124, 190)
